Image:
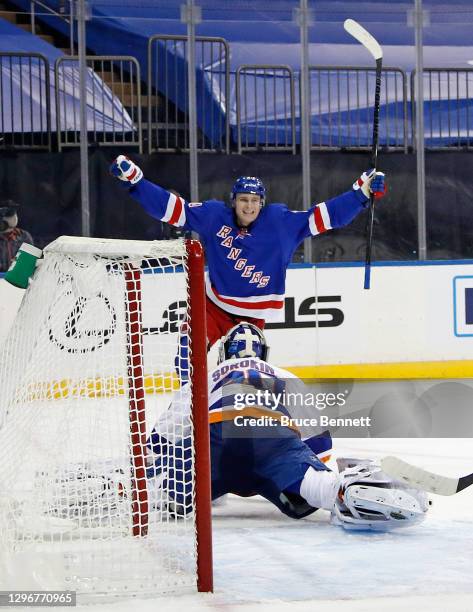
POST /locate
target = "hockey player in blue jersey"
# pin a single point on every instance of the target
(248, 245)
(254, 452)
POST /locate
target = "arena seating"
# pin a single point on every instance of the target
(264, 32)
(23, 88)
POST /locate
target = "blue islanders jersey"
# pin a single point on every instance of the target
(247, 388)
(268, 458)
(250, 387)
(247, 268)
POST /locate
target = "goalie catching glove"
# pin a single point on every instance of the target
(370, 182)
(126, 170)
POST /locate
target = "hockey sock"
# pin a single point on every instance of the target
(320, 488)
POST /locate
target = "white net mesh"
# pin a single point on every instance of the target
(86, 372)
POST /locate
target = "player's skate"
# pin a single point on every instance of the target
(371, 500)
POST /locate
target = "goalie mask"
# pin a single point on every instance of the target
(243, 340)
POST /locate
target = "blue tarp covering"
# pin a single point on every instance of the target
(23, 89)
(263, 32)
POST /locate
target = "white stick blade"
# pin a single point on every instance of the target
(364, 37)
(419, 478)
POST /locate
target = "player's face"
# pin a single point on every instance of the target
(247, 208)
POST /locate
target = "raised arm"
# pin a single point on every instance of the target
(337, 211)
(158, 202)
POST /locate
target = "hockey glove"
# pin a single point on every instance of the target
(125, 170)
(370, 182)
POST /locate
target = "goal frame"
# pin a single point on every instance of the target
(138, 509)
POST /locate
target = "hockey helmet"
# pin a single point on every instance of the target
(249, 184)
(243, 340)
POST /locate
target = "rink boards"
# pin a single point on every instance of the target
(415, 321)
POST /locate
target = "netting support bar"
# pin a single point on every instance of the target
(136, 398)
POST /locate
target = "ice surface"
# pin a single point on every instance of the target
(266, 562)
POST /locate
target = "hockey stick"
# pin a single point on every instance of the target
(424, 480)
(371, 44)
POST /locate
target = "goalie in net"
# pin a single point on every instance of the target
(253, 452)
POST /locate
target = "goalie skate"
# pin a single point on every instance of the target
(371, 500)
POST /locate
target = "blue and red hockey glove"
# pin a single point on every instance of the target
(370, 182)
(125, 170)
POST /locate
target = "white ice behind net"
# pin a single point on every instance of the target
(67, 472)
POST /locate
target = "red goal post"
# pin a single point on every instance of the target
(203, 486)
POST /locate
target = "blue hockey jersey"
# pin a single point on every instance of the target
(247, 268)
(248, 387)
(263, 457)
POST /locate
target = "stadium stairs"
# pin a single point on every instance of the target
(22, 19)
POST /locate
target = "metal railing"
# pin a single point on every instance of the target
(25, 106)
(341, 103)
(113, 100)
(265, 108)
(67, 16)
(167, 116)
(265, 115)
(448, 107)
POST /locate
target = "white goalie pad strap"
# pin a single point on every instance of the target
(361, 470)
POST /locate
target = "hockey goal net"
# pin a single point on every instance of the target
(87, 502)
